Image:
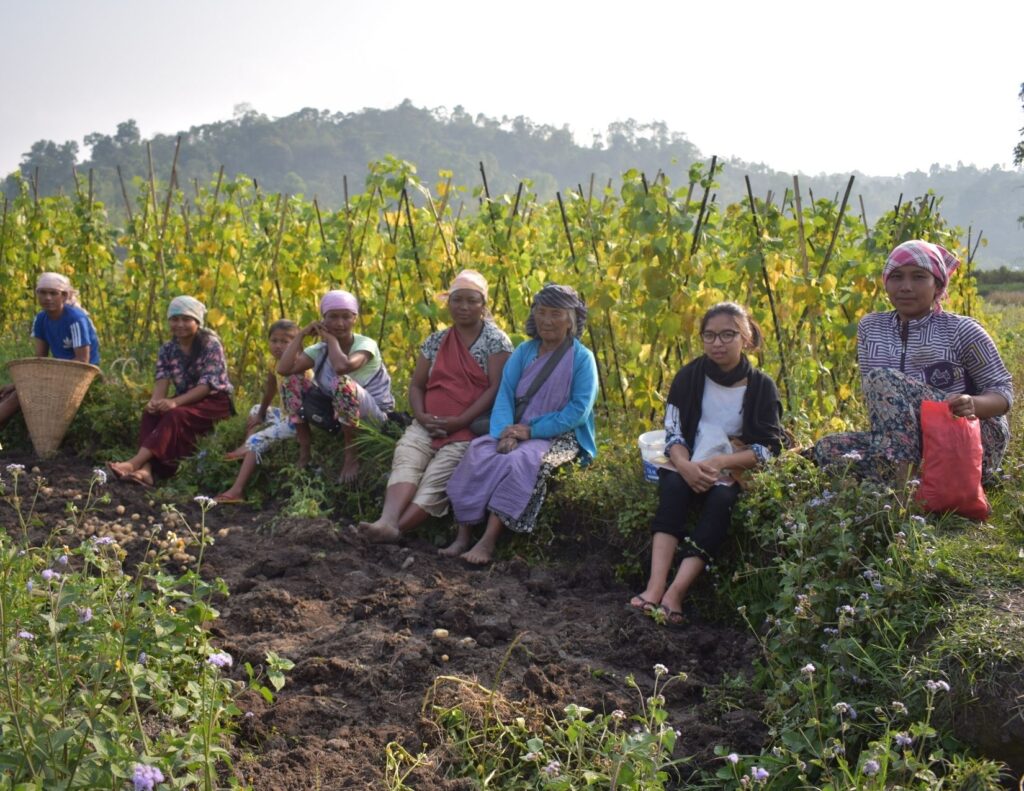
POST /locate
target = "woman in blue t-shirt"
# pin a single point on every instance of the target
(62, 329)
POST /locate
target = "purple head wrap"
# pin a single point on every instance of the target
(338, 300)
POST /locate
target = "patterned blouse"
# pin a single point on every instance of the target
(210, 366)
(491, 340)
(945, 350)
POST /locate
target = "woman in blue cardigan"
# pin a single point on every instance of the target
(543, 417)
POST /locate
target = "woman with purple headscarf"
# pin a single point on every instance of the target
(347, 368)
(543, 417)
(920, 352)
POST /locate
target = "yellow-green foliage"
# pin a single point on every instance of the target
(649, 259)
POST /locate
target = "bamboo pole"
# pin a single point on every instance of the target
(835, 229)
(608, 321)
(502, 276)
(590, 329)
(277, 251)
(416, 258)
(779, 339)
(439, 230)
(703, 206)
(798, 210)
(216, 190)
(124, 194)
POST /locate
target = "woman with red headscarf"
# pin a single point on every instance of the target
(920, 352)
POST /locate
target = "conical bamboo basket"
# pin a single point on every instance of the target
(50, 392)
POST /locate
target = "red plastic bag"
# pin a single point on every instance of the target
(950, 463)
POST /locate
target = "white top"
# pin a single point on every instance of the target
(723, 406)
(721, 417)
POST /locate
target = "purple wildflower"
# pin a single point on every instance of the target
(871, 767)
(220, 659)
(146, 777)
(24, 635)
(84, 614)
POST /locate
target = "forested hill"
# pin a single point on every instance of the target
(311, 151)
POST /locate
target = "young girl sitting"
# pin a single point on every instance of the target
(283, 423)
(347, 369)
(62, 328)
(722, 417)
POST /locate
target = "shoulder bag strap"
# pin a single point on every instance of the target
(549, 366)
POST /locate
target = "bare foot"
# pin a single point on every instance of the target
(380, 533)
(463, 541)
(481, 554)
(349, 470)
(230, 496)
(120, 468)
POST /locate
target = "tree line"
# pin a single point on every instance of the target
(316, 153)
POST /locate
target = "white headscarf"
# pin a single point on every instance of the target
(59, 282)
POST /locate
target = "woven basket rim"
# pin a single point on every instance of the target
(50, 361)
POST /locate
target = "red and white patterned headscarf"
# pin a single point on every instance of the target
(932, 257)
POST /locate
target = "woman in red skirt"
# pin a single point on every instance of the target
(194, 363)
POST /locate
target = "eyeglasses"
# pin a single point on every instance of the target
(725, 336)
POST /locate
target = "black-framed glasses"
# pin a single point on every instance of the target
(725, 336)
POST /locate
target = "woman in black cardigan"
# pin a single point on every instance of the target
(722, 417)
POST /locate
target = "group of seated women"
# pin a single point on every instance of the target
(490, 424)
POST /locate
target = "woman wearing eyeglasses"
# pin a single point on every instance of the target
(722, 417)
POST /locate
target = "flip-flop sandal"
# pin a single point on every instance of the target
(229, 500)
(132, 478)
(646, 608)
(116, 473)
(673, 619)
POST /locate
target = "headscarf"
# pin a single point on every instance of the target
(187, 306)
(338, 300)
(932, 257)
(58, 282)
(467, 280)
(555, 296)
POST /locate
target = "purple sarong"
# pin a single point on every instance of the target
(504, 482)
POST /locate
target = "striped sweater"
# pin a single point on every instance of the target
(948, 351)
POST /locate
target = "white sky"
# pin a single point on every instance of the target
(815, 86)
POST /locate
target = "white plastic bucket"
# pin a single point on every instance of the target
(652, 451)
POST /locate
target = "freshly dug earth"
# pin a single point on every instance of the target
(358, 621)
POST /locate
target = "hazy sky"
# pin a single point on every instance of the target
(880, 87)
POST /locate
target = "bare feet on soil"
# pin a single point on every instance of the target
(380, 532)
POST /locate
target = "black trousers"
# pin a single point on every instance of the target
(677, 501)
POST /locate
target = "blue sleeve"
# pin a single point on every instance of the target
(504, 410)
(37, 330)
(581, 398)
